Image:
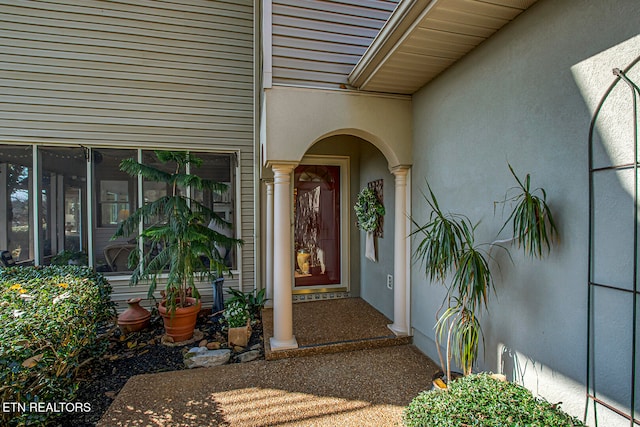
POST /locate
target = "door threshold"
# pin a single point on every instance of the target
(319, 295)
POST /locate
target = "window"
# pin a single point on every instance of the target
(114, 202)
(117, 199)
(16, 202)
(62, 204)
(219, 168)
(66, 214)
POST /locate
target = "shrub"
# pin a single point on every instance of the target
(253, 303)
(52, 317)
(479, 400)
(236, 314)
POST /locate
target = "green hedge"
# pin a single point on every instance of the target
(51, 320)
(479, 400)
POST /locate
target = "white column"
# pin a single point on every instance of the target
(400, 325)
(282, 267)
(269, 245)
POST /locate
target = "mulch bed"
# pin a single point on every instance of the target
(139, 353)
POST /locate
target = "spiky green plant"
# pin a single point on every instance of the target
(533, 226)
(448, 246)
(443, 238)
(179, 227)
(463, 333)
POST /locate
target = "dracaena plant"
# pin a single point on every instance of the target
(447, 247)
(532, 222)
(178, 227)
(449, 254)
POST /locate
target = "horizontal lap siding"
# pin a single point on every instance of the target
(317, 43)
(112, 73)
(174, 74)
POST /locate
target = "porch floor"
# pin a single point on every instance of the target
(332, 326)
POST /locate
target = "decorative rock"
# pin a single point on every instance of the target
(213, 345)
(238, 349)
(256, 347)
(203, 343)
(200, 357)
(248, 356)
(197, 337)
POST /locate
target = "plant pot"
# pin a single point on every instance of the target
(134, 318)
(303, 260)
(439, 379)
(240, 336)
(180, 323)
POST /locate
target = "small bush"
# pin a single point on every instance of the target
(51, 318)
(479, 400)
(236, 314)
(253, 303)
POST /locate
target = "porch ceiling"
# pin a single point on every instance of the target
(422, 38)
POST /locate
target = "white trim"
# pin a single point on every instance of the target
(36, 205)
(269, 243)
(90, 194)
(257, 194)
(282, 269)
(237, 218)
(344, 91)
(408, 249)
(400, 326)
(345, 246)
(395, 24)
(267, 44)
(139, 204)
(380, 62)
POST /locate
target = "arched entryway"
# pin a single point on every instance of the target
(308, 176)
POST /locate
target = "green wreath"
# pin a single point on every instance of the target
(368, 209)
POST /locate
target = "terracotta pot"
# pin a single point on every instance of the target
(180, 324)
(134, 318)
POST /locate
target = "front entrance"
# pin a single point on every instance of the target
(320, 238)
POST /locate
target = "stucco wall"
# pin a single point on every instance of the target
(295, 119)
(374, 166)
(525, 97)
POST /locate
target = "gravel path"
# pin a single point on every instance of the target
(358, 388)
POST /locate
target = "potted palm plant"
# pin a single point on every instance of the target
(185, 247)
(448, 248)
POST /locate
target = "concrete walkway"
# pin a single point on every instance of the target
(357, 388)
(333, 326)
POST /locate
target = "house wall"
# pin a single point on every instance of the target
(317, 43)
(297, 118)
(374, 274)
(524, 97)
(120, 74)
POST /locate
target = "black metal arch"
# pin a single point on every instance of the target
(633, 292)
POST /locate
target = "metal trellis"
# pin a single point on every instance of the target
(600, 286)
